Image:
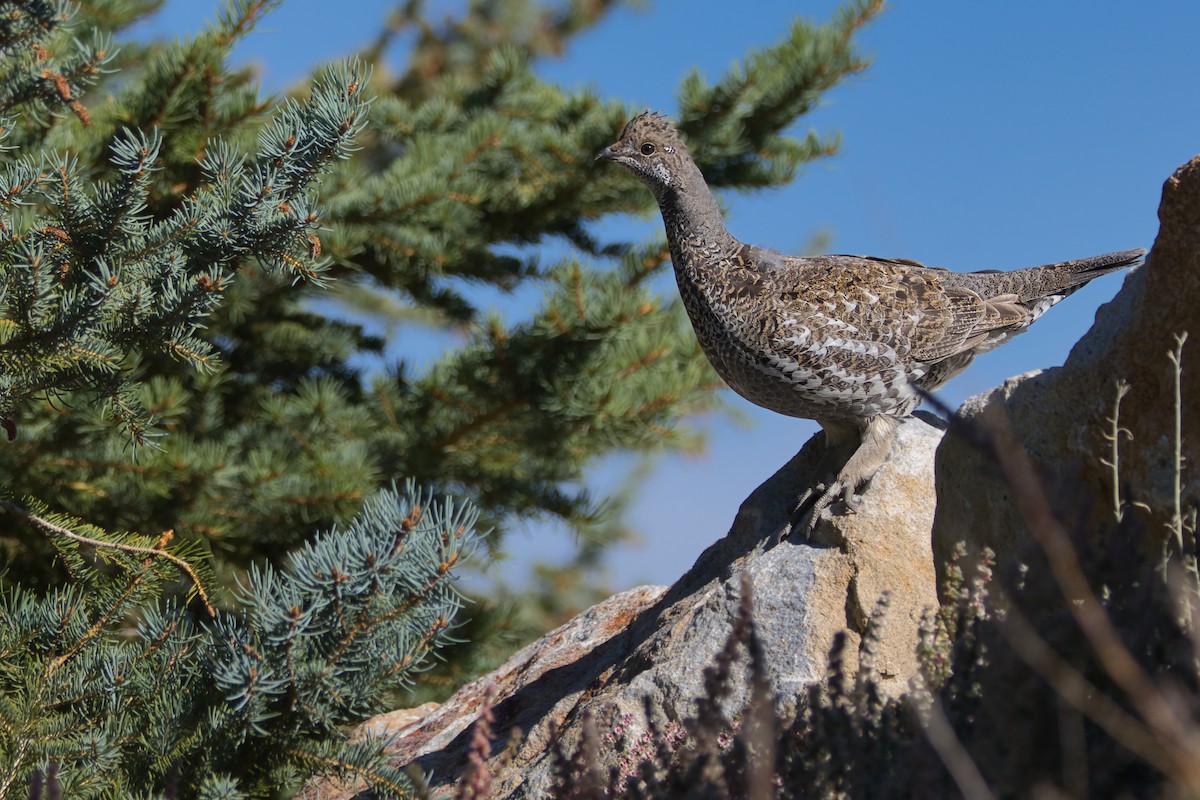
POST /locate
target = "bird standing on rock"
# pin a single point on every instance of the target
(849, 341)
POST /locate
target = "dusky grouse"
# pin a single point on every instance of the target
(848, 341)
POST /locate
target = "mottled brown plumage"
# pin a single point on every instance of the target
(848, 341)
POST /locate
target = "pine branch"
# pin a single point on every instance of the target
(737, 124)
(254, 694)
(97, 278)
(157, 551)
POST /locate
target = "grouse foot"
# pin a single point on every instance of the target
(852, 457)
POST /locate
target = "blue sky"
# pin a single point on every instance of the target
(984, 136)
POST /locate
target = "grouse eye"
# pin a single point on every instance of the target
(647, 149)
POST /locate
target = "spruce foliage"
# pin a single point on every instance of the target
(223, 704)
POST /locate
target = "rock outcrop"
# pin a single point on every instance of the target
(1061, 415)
(652, 643)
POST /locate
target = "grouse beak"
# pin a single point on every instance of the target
(607, 154)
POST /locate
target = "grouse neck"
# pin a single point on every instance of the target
(691, 213)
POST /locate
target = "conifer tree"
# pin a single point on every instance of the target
(167, 243)
(109, 686)
(458, 173)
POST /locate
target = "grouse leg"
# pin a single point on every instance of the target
(841, 476)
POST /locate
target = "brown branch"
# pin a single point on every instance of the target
(1078, 692)
(153, 552)
(1177, 741)
(954, 756)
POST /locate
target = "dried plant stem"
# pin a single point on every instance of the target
(1176, 740)
(1080, 693)
(1176, 524)
(1113, 437)
(958, 762)
(1182, 532)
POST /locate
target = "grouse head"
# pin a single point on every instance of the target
(651, 149)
